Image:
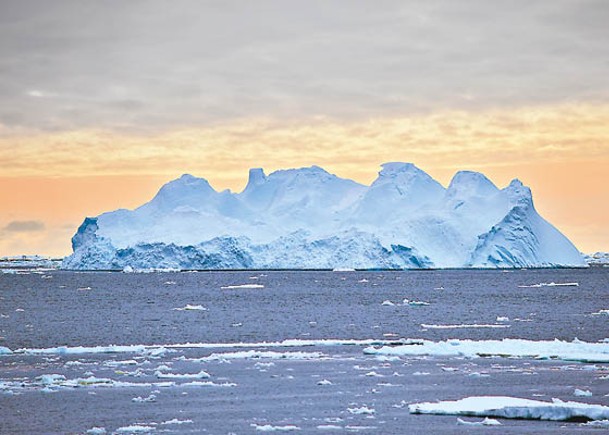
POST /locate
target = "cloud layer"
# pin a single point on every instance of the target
(146, 64)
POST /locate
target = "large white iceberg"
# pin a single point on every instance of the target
(309, 218)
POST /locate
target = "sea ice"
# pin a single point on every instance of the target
(582, 393)
(135, 428)
(189, 307)
(254, 354)
(361, 410)
(486, 422)
(271, 428)
(462, 326)
(176, 421)
(561, 350)
(201, 375)
(229, 287)
(514, 407)
(551, 284)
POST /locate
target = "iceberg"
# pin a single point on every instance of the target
(308, 218)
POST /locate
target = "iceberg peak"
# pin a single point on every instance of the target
(256, 178)
(467, 184)
(518, 193)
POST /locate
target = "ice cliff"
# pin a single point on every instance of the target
(309, 218)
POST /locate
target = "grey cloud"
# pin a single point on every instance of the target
(143, 64)
(24, 227)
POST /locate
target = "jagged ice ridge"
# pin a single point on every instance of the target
(309, 218)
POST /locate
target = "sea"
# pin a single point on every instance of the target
(245, 352)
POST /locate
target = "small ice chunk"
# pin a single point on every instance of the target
(139, 399)
(176, 421)
(189, 307)
(361, 410)
(388, 303)
(229, 287)
(96, 430)
(415, 303)
(582, 393)
(324, 382)
(486, 422)
(271, 428)
(135, 428)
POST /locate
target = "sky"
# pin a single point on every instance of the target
(102, 102)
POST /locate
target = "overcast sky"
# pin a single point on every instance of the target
(160, 64)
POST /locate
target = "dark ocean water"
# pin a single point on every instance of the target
(100, 309)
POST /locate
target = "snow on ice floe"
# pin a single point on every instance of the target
(513, 348)
(551, 284)
(233, 287)
(271, 428)
(463, 326)
(189, 307)
(514, 407)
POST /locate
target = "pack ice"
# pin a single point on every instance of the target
(309, 218)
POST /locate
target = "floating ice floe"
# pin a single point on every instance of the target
(324, 382)
(176, 421)
(582, 393)
(513, 348)
(463, 326)
(551, 284)
(189, 307)
(361, 410)
(414, 303)
(254, 354)
(139, 399)
(486, 422)
(600, 313)
(135, 428)
(156, 350)
(201, 375)
(271, 428)
(596, 423)
(206, 384)
(96, 430)
(514, 407)
(230, 287)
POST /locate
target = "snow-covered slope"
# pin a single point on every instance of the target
(309, 218)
